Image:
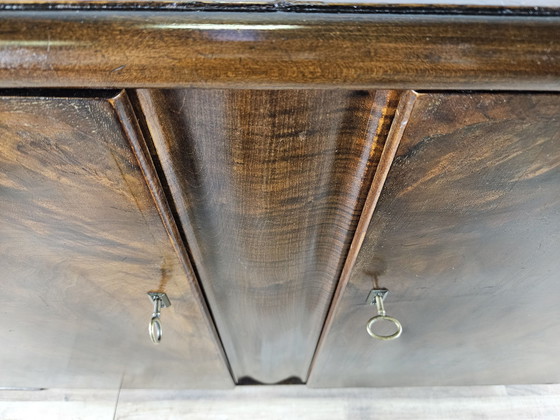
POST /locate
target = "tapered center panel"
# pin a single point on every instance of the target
(268, 186)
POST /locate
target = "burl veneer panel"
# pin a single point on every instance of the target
(81, 242)
(466, 236)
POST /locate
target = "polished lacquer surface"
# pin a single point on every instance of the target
(239, 173)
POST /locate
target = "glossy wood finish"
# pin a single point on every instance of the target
(269, 186)
(264, 48)
(81, 242)
(466, 237)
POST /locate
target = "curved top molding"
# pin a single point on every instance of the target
(120, 49)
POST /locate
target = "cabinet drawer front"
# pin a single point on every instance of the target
(81, 243)
(466, 236)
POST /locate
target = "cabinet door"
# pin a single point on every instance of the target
(466, 237)
(81, 243)
(269, 186)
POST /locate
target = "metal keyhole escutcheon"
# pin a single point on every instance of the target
(376, 297)
(160, 300)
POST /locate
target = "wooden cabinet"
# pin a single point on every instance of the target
(466, 237)
(267, 170)
(81, 244)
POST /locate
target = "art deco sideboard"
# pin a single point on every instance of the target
(266, 166)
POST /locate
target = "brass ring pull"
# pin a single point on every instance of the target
(155, 330)
(160, 300)
(376, 318)
(376, 296)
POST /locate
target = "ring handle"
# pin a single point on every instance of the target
(376, 318)
(160, 300)
(155, 330)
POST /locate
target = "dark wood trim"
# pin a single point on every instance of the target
(127, 117)
(111, 49)
(406, 104)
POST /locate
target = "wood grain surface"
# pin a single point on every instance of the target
(466, 237)
(262, 48)
(81, 242)
(269, 186)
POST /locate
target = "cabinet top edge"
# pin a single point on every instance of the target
(404, 7)
(69, 49)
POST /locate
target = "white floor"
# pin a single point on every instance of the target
(287, 402)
